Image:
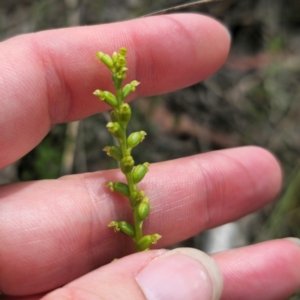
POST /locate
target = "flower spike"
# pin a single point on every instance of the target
(120, 116)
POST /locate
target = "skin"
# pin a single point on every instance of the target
(54, 232)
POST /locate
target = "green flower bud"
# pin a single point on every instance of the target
(133, 199)
(146, 241)
(124, 113)
(115, 225)
(144, 209)
(127, 164)
(139, 172)
(121, 76)
(120, 187)
(106, 59)
(114, 57)
(134, 84)
(115, 129)
(135, 138)
(107, 97)
(127, 228)
(136, 197)
(128, 88)
(155, 237)
(123, 51)
(121, 61)
(140, 195)
(114, 152)
(123, 226)
(114, 116)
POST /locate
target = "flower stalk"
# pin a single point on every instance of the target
(120, 117)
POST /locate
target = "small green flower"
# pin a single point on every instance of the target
(107, 97)
(127, 164)
(115, 129)
(120, 187)
(123, 51)
(114, 116)
(106, 59)
(114, 151)
(144, 209)
(140, 194)
(135, 138)
(129, 88)
(123, 226)
(124, 113)
(139, 172)
(146, 241)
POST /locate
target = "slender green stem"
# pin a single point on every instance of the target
(137, 223)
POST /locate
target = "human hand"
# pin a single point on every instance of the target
(54, 232)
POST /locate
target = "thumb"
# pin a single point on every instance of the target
(182, 273)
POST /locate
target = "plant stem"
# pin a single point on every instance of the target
(138, 224)
(134, 174)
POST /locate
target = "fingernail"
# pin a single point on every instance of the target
(294, 240)
(182, 273)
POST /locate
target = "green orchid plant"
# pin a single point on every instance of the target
(120, 117)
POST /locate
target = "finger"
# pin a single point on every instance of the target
(268, 271)
(49, 77)
(52, 232)
(178, 274)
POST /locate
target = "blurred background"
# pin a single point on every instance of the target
(253, 100)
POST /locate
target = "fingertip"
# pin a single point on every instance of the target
(261, 168)
(268, 163)
(210, 265)
(200, 51)
(294, 240)
(274, 264)
(183, 273)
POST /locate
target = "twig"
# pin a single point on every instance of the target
(180, 7)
